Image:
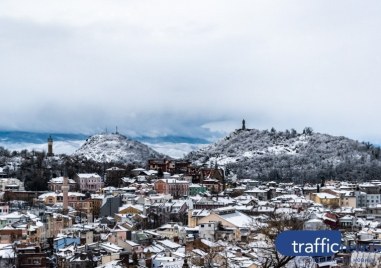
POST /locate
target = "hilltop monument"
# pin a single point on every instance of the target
(243, 124)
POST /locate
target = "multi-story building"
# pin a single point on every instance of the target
(364, 199)
(53, 198)
(11, 184)
(4, 208)
(213, 185)
(88, 182)
(31, 255)
(170, 166)
(326, 199)
(226, 224)
(260, 194)
(55, 184)
(114, 175)
(164, 165)
(370, 188)
(347, 198)
(174, 187)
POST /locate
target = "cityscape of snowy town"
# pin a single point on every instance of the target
(190, 134)
(171, 213)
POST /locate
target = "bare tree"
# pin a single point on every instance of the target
(276, 224)
(209, 259)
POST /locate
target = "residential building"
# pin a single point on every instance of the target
(232, 224)
(326, 199)
(260, 194)
(88, 182)
(11, 184)
(55, 184)
(174, 187)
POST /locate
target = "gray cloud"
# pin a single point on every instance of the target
(190, 67)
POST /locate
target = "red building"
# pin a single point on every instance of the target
(176, 188)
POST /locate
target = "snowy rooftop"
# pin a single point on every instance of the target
(325, 195)
(111, 247)
(169, 244)
(60, 180)
(238, 219)
(88, 175)
(174, 181)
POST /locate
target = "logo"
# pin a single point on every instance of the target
(308, 243)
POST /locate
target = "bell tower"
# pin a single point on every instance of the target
(50, 146)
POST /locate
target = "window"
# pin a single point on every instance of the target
(202, 225)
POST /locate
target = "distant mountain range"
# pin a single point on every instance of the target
(67, 143)
(37, 138)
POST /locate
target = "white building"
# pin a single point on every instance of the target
(7, 184)
(88, 182)
(167, 262)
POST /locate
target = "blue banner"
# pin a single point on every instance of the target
(308, 243)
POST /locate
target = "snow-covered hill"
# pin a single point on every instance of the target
(116, 148)
(277, 155)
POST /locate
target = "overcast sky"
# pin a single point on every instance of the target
(191, 67)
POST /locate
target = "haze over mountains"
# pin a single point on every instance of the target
(64, 143)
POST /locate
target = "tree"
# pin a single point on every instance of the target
(294, 133)
(308, 131)
(209, 259)
(135, 258)
(160, 173)
(276, 224)
(287, 134)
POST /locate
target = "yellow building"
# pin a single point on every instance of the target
(131, 209)
(347, 198)
(326, 199)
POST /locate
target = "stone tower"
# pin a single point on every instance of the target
(50, 146)
(243, 124)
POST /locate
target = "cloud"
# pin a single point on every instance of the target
(169, 67)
